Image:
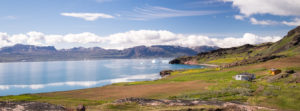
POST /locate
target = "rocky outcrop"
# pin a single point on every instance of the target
(278, 77)
(290, 71)
(296, 78)
(222, 106)
(165, 73)
(228, 106)
(80, 108)
(156, 102)
(181, 60)
(294, 31)
(29, 106)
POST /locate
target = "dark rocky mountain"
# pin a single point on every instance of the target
(200, 49)
(159, 51)
(289, 45)
(19, 48)
(21, 52)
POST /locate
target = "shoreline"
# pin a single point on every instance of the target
(209, 65)
(75, 60)
(194, 62)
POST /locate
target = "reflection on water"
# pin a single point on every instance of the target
(84, 83)
(35, 77)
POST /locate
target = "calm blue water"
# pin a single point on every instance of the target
(35, 77)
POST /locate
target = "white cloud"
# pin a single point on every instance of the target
(156, 12)
(239, 17)
(273, 7)
(249, 8)
(88, 16)
(82, 38)
(3, 87)
(262, 22)
(130, 39)
(295, 22)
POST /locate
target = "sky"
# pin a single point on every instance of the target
(119, 24)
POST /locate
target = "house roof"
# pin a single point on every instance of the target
(273, 69)
(246, 74)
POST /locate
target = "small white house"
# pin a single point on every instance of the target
(245, 77)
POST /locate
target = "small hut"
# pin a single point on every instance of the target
(245, 76)
(274, 71)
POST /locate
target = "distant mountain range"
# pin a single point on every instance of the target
(20, 52)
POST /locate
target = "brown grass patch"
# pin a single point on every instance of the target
(112, 92)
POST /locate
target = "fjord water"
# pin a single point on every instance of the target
(36, 77)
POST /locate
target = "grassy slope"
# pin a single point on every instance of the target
(206, 84)
(232, 55)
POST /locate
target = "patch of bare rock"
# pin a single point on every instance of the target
(28, 106)
(223, 106)
(278, 77)
(165, 73)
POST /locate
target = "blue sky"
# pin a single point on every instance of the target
(215, 19)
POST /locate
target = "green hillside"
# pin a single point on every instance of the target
(247, 54)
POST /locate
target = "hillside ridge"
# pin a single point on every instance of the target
(289, 45)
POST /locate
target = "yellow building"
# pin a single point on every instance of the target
(275, 71)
